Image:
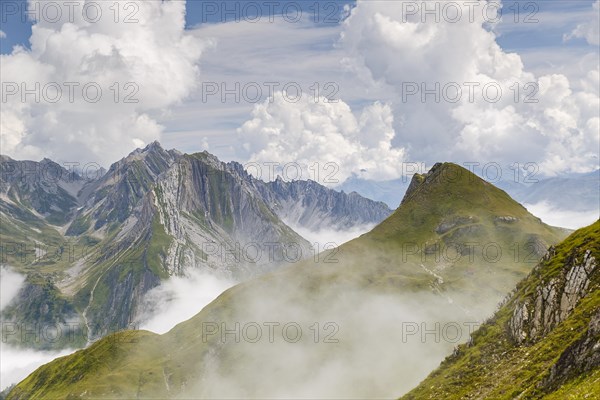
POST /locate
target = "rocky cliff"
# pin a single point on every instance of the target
(313, 206)
(553, 301)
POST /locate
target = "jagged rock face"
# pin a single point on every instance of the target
(544, 339)
(219, 221)
(579, 358)
(415, 182)
(44, 187)
(313, 206)
(113, 197)
(553, 301)
(215, 217)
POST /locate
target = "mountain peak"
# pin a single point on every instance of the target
(449, 195)
(444, 174)
(155, 145)
(152, 147)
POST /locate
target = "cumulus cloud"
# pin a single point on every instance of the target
(590, 31)
(314, 131)
(2, 34)
(557, 124)
(142, 64)
(179, 299)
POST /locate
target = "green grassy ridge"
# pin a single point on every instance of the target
(67, 374)
(495, 367)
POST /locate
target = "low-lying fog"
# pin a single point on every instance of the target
(174, 301)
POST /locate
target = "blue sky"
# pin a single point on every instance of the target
(368, 58)
(17, 27)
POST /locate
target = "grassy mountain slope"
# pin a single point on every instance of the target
(368, 288)
(452, 232)
(549, 348)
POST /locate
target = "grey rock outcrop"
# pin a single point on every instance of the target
(579, 358)
(553, 301)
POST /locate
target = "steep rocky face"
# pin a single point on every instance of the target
(218, 221)
(154, 214)
(44, 187)
(313, 206)
(578, 359)
(112, 198)
(554, 301)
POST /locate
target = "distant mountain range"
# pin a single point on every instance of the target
(334, 325)
(92, 247)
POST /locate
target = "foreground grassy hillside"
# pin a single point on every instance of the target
(451, 251)
(543, 343)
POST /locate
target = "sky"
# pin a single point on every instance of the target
(366, 86)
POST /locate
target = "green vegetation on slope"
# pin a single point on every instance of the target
(495, 366)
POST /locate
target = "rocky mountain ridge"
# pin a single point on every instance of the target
(154, 214)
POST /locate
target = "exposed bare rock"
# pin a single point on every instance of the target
(507, 219)
(552, 301)
(581, 357)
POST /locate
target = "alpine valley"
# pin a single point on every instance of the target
(460, 273)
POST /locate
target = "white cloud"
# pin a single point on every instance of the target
(155, 54)
(2, 34)
(16, 364)
(387, 46)
(10, 284)
(590, 31)
(328, 238)
(314, 131)
(563, 218)
(179, 299)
